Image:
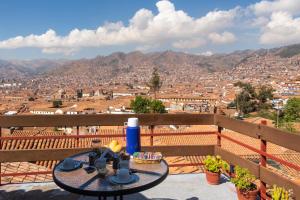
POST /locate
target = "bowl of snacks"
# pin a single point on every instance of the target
(147, 157)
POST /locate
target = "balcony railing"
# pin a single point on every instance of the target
(257, 131)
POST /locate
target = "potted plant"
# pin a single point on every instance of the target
(280, 193)
(244, 183)
(213, 167)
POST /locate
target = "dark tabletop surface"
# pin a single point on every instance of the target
(80, 182)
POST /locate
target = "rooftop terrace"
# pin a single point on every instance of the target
(270, 154)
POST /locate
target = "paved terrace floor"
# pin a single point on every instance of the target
(175, 187)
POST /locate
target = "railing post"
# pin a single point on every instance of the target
(152, 132)
(219, 136)
(1, 138)
(263, 163)
(77, 133)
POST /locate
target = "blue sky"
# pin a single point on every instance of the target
(102, 27)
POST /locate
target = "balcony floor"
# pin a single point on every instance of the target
(175, 187)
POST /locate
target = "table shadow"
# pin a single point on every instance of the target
(58, 194)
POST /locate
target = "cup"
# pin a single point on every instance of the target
(100, 165)
(123, 174)
(68, 163)
(115, 165)
(96, 145)
(92, 158)
(124, 164)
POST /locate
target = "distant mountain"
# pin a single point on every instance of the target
(137, 66)
(288, 51)
(26, 68)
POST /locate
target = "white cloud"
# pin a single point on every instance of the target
(223, 38)
(268, 7)
(282, 29)
(168, 27)
(207, 53)
(189, 44)
(277, 21)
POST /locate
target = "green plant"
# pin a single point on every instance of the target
(155, 83)
(280, 193)
(140, 105)
(215, 164)
(144, 105)
(250, 99)
(157, 106)
(292, 110)
(57, 103)
(243, 179)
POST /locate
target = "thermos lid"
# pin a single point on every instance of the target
(133, 122)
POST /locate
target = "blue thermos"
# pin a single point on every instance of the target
(133, 138)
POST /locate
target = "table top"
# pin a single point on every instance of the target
(80, 182)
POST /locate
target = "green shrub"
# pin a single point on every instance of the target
(243, 179)
(279, 193)
(144, 105)
(57, 103)
(215, 164)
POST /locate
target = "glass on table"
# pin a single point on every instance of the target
(124, 164)
(100, 165)
(96, 146)
(92, 158)
(115, 164)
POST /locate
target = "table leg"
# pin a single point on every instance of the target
(115, 198)
(102, 197)
(121, 197)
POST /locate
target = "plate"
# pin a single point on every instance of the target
(77, 164)
(115, 180)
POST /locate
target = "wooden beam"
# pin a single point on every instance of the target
(38, 154)
(59, 154)
(272, 178)
(281, 138)
(104, 120)
(234, 159)
(239, 126)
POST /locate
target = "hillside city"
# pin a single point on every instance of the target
(185, 87)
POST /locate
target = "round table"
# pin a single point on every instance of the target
(80, 182)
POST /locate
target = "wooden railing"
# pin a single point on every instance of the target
(258, 131)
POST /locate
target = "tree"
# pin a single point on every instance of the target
(231, 105)
(140, 105)
(79, 93)
(249, 100)
(57, 103)
(265, 93)
(292, 110)
(31, 99)
(155, 83)
(144, 105)
(289, 115)
(245, 102)
(157, 106)
(247, 87)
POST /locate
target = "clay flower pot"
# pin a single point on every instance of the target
(249, 195)
(212, 178)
